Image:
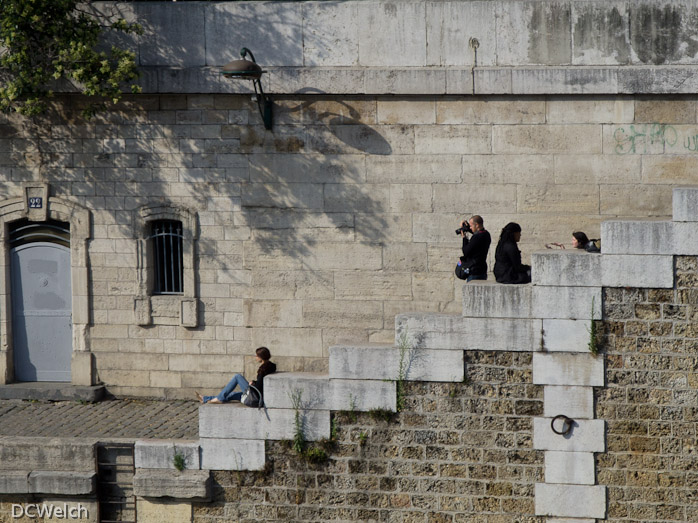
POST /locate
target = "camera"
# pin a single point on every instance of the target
(465, 228)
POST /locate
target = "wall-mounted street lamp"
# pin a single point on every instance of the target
(250, 70)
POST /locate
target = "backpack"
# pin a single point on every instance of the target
(594, 245)
(252, 397)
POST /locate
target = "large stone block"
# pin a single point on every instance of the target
(159, 510)
(575, 402)
(232, 454)
(493, 300)
(14, 482)
(570, 467)
(447, 22)
(585, 436)
(652, 200)
(180, 28)
(280, 44)
(330, 34)
(499, 198)
(351, 285)
(185, 484)
(315, 390)
(517, 44)
(564, 80)
(558, 199)
(616, 110)
(685, 204)
(546, 139)
(403, 45)
(568, 369)
(63, 483)
(685, 238)
(442, 331)
(565, 302)
(160, 454)
(237, 421)
(452, 139)
(637, 237)
(318, 392)
(382, 362)
(618, 270)
(566, 335)
(409, 80)
(578, 501)
(46, 454)
(566, 268)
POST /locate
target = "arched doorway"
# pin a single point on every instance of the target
(40, 275)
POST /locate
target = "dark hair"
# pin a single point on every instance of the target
(477, 219)
(581, 239)
(263, 353)
(508, 232)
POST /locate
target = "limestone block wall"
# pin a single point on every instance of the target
(319, 233)
(418, 47)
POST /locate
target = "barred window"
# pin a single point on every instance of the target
(166, 238)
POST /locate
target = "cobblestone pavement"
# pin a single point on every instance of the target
(124, 418)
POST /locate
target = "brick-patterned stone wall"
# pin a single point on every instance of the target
(458, 452)
(321, 231)
(650, 403)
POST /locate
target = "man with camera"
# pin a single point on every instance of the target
(473, 263)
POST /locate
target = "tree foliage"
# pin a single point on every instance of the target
(45, 41)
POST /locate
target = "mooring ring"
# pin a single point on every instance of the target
(566, 424)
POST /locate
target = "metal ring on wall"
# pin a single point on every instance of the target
(566, 424)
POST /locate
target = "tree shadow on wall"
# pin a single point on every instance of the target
(307, 183)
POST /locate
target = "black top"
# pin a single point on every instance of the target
(264, 369)
(475, 252)
(507, 264)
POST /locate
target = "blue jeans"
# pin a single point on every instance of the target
(476, 277)
(227, 393)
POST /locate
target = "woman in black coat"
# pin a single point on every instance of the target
(507, 257)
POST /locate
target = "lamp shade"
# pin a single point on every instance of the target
(242, 69)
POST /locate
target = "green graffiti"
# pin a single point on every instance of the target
(643, 138)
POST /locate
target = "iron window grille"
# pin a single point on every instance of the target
(166, 237)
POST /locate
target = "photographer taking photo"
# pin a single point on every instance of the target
(473, 263)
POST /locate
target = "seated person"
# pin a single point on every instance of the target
(267, 367)
(579, 241)
(507, 257)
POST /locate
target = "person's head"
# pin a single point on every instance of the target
(476, 223)
(510, 233)
(263, 353)
(579, 240)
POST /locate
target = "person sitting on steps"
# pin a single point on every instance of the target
(267, 367)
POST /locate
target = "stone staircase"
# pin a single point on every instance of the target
(550, 317)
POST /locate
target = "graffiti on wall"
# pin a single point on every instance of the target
(654, 138)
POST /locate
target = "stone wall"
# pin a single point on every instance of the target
(458, 452)
(650, 401)
(322, 231)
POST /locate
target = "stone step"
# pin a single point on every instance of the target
(451, 332)
(160, 453)
(382, 362)
(51, 391)
(495, 300)
(319, 392)
(581, 269)
(234, 420)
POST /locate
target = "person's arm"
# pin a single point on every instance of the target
(472, 246)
